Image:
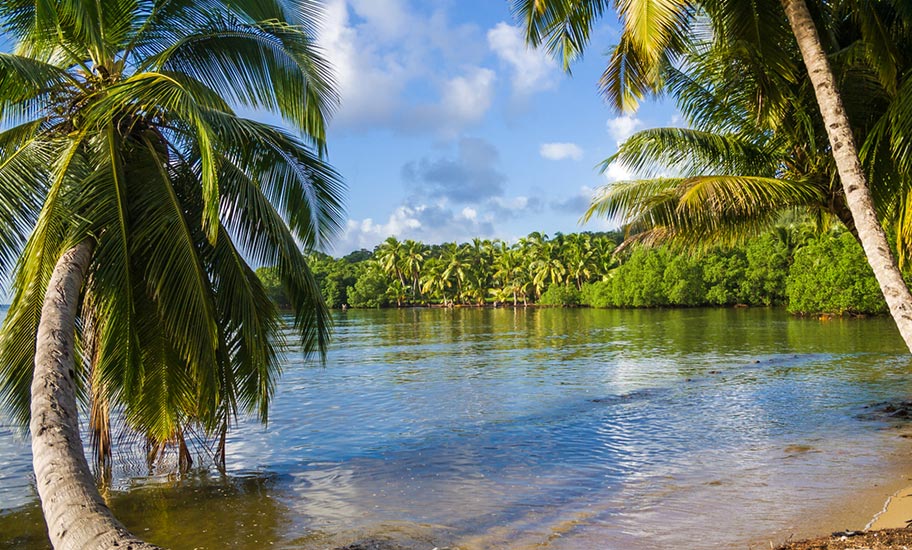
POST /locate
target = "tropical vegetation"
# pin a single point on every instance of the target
(133, 196)
(807, 271)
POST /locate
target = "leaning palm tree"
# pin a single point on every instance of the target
(656, 32)
(133, 197)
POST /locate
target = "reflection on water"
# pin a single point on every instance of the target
(565, 429)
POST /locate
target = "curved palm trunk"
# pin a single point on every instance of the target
(76, 515)
(854, 182)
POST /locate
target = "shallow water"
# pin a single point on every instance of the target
(566, 429)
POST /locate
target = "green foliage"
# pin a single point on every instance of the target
(599, 294)
(724, 272)
(640, 281)
(560, 295)
(334, 277)
(370, 289)
(768, 262)
(272, 285)
(830, 275)
(683, 281)
(758, 273)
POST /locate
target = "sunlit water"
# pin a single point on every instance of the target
(564, 429)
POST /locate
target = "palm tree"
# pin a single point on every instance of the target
(578, 258)
(478, 255)
(412, 260)
(390, 255)
(436, 279)
(508, 269)
(133, 197)
(655, 33)
(456, 267)
(603, 249)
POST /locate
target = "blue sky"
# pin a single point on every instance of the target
(451, 128)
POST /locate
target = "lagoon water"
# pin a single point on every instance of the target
(550, 428)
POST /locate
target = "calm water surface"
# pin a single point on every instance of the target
(564, 429)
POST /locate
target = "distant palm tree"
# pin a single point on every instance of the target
(133, 197)
(455, 267)
(390, 255)
(578, 258)
(508, 269)
(436, 280)
(412, 261)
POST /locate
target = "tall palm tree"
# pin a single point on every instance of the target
(655, 32)
(412, 260)
(133, 196)
(456, 267)
(508, 269)
(436, 280)
(390, 255)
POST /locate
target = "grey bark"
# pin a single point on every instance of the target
(76, 515)
(854, 182)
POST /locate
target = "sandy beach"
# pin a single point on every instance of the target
(877, 518)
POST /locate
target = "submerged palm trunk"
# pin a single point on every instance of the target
(854, 182)
(76, 515)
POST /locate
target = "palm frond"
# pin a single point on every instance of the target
(27, 86)
(23, 182)
(564, 26)
(265, 238)
(49, 239)
(701, 210)
(266, 65)
(683, 151)
(307, 192)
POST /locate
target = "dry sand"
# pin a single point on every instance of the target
(897, 512)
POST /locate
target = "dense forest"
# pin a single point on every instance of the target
(810, 273)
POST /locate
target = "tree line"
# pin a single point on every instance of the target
(808, 272)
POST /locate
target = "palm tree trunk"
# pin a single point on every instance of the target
(76, 515)
(854, 182)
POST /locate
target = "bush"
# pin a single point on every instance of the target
(560, 295)
(683, 282)
(598, 294)
(767, 270)
(724, 272)
(369, 290)
(831, 275)
(640, 282)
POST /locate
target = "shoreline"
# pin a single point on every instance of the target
(896, 512)
(878, 516)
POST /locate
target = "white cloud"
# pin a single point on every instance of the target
(389, 17)
(533, 70)
(468, 97)
(369, 84)
(437, 223)
(381, 51)
(561, 151)
(618, 172)
(622, 127)
(423, 222)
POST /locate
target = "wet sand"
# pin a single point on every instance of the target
(874, 518)
(897, 512)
